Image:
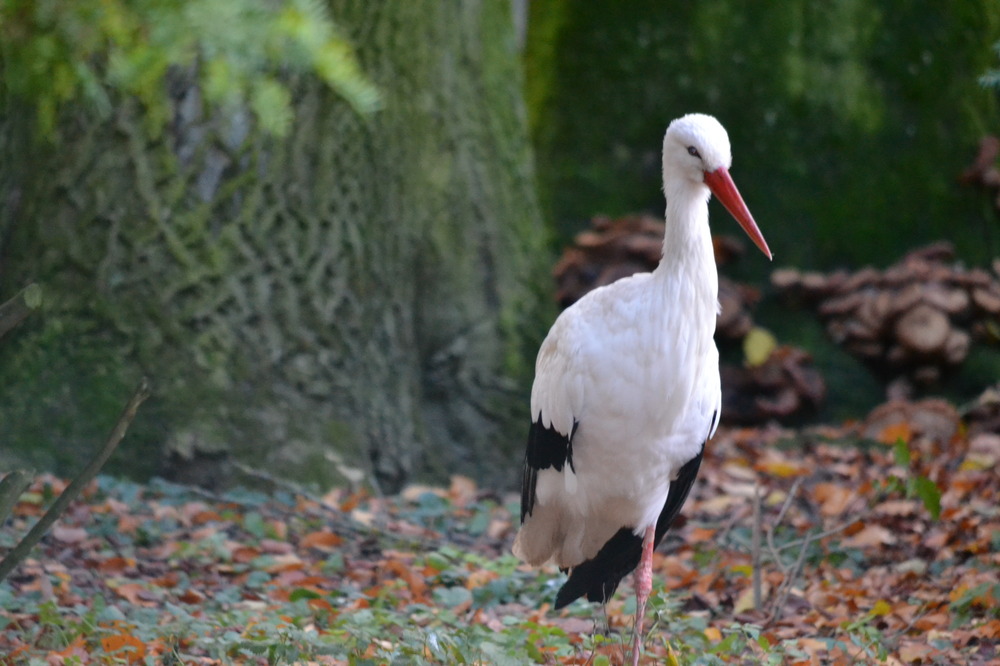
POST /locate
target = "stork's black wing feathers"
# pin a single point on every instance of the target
(599, 576)
(547, 447)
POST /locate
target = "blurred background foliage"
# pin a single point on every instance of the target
(850, 120)
(218, 137)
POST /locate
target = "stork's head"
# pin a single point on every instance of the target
(696, 149)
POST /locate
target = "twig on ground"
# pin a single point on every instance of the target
(755, 554)
(277, 481)
(733, 521)
(34, 535)
(344, 521)
(775, 554)
(825, 533)
(786, 585)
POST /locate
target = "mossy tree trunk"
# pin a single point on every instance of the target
(366, 285)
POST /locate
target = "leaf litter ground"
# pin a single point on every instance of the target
(866, 543)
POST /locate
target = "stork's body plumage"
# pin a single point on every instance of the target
(627, 391)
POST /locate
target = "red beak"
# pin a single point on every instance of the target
(722, 186)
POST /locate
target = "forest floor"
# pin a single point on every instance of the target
(875, 542)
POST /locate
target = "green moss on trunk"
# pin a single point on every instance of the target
(361, 286)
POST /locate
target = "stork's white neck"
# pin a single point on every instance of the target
(687, 242)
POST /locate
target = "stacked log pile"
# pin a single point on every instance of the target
(983, 415)
(911, 323)
(610, 250)
(785, 385)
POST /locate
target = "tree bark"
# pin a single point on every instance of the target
(363, 291)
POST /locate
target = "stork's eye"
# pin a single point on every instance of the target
(692, 151)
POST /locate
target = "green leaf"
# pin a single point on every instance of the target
(303, 593)
(929, 494)
(272, 104)
(33, 296)
(240, 51)
(536, 654)
(254, 523)
(452, 596)
(901, 453)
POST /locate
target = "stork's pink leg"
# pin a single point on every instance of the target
(643, 586)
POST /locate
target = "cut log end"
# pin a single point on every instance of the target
(923, 329)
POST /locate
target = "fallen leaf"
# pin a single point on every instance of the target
(758, 345)
(275, 547)
(812, 645)
(781, 469)
(191, 596)
(206, 516)
(353, 500)
(702, 534)
(320, 604)
(115, 565)
(127, 523)
(132, 592)
(574, 625)
(168, 580)
(245, 554)
(414, 491)
(911, 651)
(322, 540)
(462, 491)
(881, 607)
(899, 507)
(895, 432)
(833, 498)
(480, 577)
(129, 646)
(744, 602)
(77, 649)
(413, 579)
(69, 534)
(870, 535)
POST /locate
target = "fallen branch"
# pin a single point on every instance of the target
(34, 535)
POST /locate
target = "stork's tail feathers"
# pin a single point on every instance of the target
(599, 576)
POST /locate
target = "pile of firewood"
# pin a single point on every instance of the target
(983, 415)
(785, 385)
(911, 323)
(616, 248)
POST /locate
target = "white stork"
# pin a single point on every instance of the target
(627, 392)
